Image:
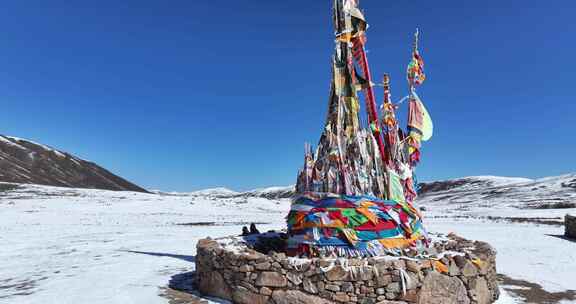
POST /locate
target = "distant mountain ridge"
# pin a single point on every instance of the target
(26, 162)
(491, 192)
(522, 192)
(269, 193)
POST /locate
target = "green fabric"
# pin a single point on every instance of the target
(396, 188)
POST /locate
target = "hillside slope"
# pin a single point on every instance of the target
(501, 196)
(26, 162)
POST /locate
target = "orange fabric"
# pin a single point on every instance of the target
(394, 243)
(440, 267)
(367, 213)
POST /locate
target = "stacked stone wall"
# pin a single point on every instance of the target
(245, 276)
(570, 224)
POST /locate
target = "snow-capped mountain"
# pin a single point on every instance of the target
(272, 193)
(26, 162)
(490, 195)
(516, 192)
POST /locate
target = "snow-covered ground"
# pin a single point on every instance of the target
(61, 245)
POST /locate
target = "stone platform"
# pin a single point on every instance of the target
(456, 271)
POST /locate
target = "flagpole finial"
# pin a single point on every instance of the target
(386, 79)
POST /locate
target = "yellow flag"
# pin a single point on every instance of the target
(427, 124)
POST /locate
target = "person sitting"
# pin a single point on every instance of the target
(253, 229)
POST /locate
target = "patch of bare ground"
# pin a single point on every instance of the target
(552, 221)
(12, 287)
(533, 293)
(181, 290)
(208, 224)
(551, 205)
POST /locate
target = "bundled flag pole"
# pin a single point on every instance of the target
(415, 71)
(420, 126)
(356, 191)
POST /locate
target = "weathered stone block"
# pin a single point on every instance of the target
(469, 269)
(271, 279)
(337, 273)
(212, 283)
(295, 278)
(244, 296)
(263, 266)
(266, 291)
(332, 287)
(441, 289)
(309, 286)
(296, 297)
(347, 287)
(479, 291)
(341, 297)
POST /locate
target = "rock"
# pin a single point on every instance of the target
(413, 266)
(249, 287)
(383, 266)
(367, 301)
(296, 297)
(279, 257)
(479, 291)
(266, 291)
(294, 278)
(384, 279)
(399, 264)
(245, 268)
(332, 287)
(442, 289)
(263, 266)
(337, 273)
(207, 244)
(483, 250)
(426, 264)
(411, 296)
(309, 286)
(253, 255)
(347, 287)
(393, 287)
(460, 261)
(469, 269)
(271, 279)
(243, 296)
(365, 273)
(366, 290)
(453, 269)
(341, 297)
(321, 285)
(411, 281)
(212, 283)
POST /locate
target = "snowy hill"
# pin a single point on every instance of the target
(268, 193)
(26, 162)
(501, 197)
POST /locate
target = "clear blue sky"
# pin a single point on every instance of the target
(186, 94)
